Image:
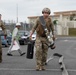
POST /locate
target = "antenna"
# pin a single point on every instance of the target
(17, 12)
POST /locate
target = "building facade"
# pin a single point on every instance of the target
(66, 20)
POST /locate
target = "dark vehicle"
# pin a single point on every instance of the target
(9, 37)
(23, 37)
(4, 41)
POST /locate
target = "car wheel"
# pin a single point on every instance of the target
(6, 45)
(25, 42)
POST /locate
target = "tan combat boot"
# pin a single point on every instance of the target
(0, 59)
(42, 68)
(37, 68)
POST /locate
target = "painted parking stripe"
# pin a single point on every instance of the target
(66, 40)
(15, 69)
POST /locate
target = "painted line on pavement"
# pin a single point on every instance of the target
(15, 69)
(66, 40)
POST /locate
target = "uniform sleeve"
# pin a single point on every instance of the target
(52, 26)
(35, 26)
(3, 28)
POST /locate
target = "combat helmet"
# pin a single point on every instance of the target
(46, 10)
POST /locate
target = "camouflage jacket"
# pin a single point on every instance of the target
(39, 29)
(3, 27)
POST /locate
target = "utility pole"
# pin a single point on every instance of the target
(17, 12)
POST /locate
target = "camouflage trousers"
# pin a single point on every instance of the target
(0, 51)
(41, 51)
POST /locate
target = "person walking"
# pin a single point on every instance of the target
(2, 26)
(15, 44)
(41, 42)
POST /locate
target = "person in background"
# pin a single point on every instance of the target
(2, 26)
(15, 44)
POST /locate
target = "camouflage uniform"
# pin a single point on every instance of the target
(4, 30)
(42, 41)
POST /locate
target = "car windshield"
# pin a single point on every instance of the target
(23, 33)
(8, 33)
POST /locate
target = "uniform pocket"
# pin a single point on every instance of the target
(38, 43)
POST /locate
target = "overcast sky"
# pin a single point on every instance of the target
(26, 8)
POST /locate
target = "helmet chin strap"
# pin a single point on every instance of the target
(45, 17)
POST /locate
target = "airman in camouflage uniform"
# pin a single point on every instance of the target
(4, 30)
(41, 39)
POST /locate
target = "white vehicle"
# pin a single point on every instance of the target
(34, 36)
(23, 37)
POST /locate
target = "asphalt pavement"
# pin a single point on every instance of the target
(20, 65)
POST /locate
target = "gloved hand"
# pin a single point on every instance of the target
(30, 37)
(5, 36)
(53, 37)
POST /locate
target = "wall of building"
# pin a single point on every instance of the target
(64, 22)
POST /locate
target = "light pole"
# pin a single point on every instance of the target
(17, 12)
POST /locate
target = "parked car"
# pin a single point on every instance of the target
(23, 37)
(4, 41)
(34, 36)
(9, 37)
